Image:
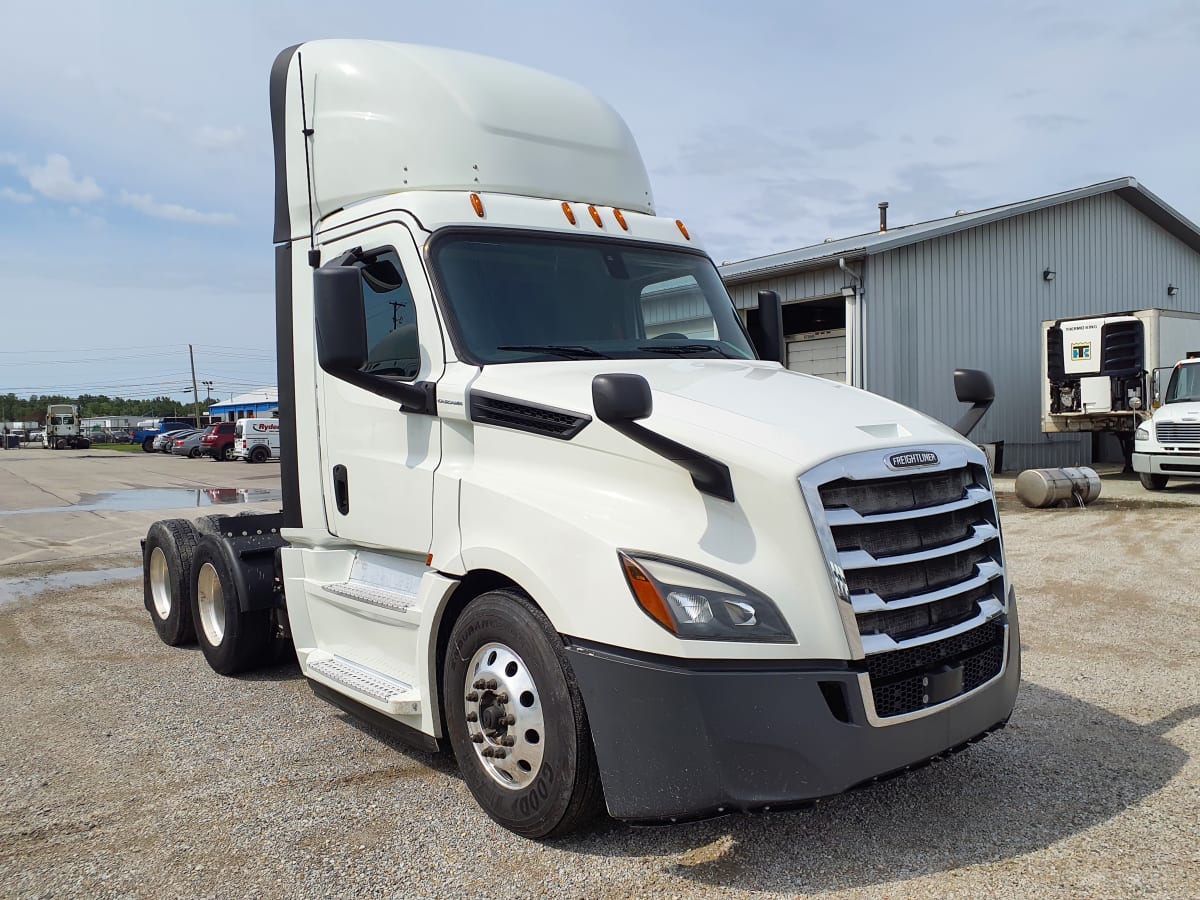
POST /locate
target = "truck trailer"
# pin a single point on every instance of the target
(1106, 373)
(595, 545)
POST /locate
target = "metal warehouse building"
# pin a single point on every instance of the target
(897, 311)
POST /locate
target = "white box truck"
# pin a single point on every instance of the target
(1168, 445)
(1105, 373)
(608, 560)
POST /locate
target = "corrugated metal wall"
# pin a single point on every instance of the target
(799, 286)
(977, 299)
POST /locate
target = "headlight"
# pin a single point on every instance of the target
(1141, 435)
(699, 604)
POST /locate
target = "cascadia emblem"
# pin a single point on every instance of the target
(912, 458)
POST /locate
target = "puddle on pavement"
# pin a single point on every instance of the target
(12, 589)
(157, 498)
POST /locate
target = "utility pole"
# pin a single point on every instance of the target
(195, 387)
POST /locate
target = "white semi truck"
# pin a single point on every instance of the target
(1168, 445)
(62, 428)
(547, 505)
(1106, 373)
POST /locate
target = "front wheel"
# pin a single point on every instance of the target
(1152, 482)
(516, 720)
(232, 640)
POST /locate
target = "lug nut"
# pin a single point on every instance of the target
(510, 719)
(477, 738)
(499, 754)
(472, 717)
(507, 741)
(479, 684)
(491, 684)
(501, 697)
(472, 697)
(487, 751)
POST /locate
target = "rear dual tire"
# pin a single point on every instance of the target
(166, 579)
(233, 640)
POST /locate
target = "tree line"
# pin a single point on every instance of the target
(33, 408)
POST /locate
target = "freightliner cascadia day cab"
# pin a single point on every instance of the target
(543, 502)
(62, 428)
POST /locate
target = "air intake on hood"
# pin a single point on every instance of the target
(504, 412)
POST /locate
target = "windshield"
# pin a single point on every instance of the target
(1185, 384)
(64, 420)
(517, 298)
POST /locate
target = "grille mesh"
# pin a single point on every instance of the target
(911, 519)
(1177, 432)
(525, 417)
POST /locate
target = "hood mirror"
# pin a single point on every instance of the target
(975, 387)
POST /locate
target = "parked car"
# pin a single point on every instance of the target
(162, 442)
(218, 440)
(187, 444)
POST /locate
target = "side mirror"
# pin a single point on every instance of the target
(768, 336)
(975, 387)
(621, 398)
(341, 323)
(342, 340)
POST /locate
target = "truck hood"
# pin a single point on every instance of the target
(717, 405)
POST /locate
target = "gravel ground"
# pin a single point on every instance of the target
(130, 769)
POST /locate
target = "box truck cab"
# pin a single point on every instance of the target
(546, 503)
(255, 440)
(1169, 444)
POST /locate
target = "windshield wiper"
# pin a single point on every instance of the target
(568, 351)
(682, 349)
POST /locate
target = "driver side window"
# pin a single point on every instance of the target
(391, 316)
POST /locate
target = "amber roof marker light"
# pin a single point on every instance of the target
(683, 230)
(568, 212)
(596, 216)
(477, 204)
(620, 217)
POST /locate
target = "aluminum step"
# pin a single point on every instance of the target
(371, 594)
(376, 689)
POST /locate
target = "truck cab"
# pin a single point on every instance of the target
(546, 503)
(1169, 444)
(62, 429)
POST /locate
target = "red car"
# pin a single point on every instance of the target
(218, 441)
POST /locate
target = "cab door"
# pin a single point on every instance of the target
(377, 461)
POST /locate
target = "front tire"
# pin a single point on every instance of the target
(232, 640)
(516, 719)
(1151, 481)
(166, 579)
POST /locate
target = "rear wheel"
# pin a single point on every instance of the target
(166, 579)
(516, 720)
(1152, 482)
(194, 453)
(148, 445)
(260, 454)
(232, 640)
(223, 456)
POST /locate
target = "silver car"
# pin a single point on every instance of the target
(162, 442)
(187, 444)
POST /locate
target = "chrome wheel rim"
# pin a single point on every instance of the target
(210, 600)
(504, 716)
(160, 583)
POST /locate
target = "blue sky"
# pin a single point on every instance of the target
(135, 157)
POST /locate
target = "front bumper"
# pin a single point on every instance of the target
(1186, 465)
(676, 740)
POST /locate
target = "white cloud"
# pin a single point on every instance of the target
(56, 180)
(89, 219)
(174, 212)
(209, 137)
(15, 196)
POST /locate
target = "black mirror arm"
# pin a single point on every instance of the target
(708, 475)
(413, 397)
(971, 418)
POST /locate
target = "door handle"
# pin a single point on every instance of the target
(341, 489)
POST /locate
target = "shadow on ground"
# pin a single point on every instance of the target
(1061, 766)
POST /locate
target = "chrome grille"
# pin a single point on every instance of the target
(916, 559)
(1177, 432)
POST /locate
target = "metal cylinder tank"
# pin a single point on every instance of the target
(1040, 488)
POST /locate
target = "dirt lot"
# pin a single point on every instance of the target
(130, 769)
